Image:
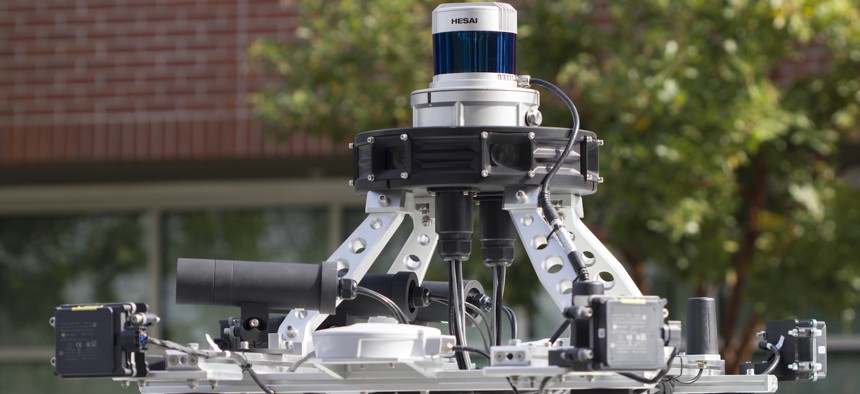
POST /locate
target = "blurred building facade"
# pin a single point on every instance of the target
(127, 140)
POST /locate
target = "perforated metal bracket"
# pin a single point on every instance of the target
(418, 249)
(548, 258)
(601, 264)
(354, 258)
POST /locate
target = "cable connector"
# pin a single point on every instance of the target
(524, 81)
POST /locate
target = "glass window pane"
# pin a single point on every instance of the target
(52, 260)
(295, 234)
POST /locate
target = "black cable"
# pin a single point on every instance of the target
(559, 331)
(512, 319)
(182, 348)
(472, 350)
(776, 357)
(455, 322)
(655, 379)
(693, 380)
(395, 310)
(544, 200)
(543, 384)
(246, 367)
(499, 278)
(573, 134)
(297, 364)
(243, 362)
(484, 319)
(461, 308)
(266, 389)
(513, 386)
(474, 322)
(484, 337)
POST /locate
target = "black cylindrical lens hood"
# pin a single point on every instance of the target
(280, 285)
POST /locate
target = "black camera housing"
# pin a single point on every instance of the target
(99, 341)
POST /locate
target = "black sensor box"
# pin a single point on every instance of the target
(98, 340)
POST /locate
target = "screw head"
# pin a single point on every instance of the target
(371, 177)
(369, 140)
(425, 221)
(534, 117)
(485, 135)
(522, 197)
(351, 182)
(351, 146)
(531, 173)
(485, 173)
(384, 200)
(404, 137)
(254, 323)
(531, 135)
(404, 175)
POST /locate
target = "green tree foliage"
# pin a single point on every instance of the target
(718, 171)
(337, 76)
(48, 261)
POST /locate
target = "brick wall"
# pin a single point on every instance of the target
(136, 80)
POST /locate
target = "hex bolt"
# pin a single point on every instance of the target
(404, 137)
(384, 201)
(522, 197)
(244, 345)
(404, 175)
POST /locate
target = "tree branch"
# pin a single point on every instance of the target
(754, 200)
